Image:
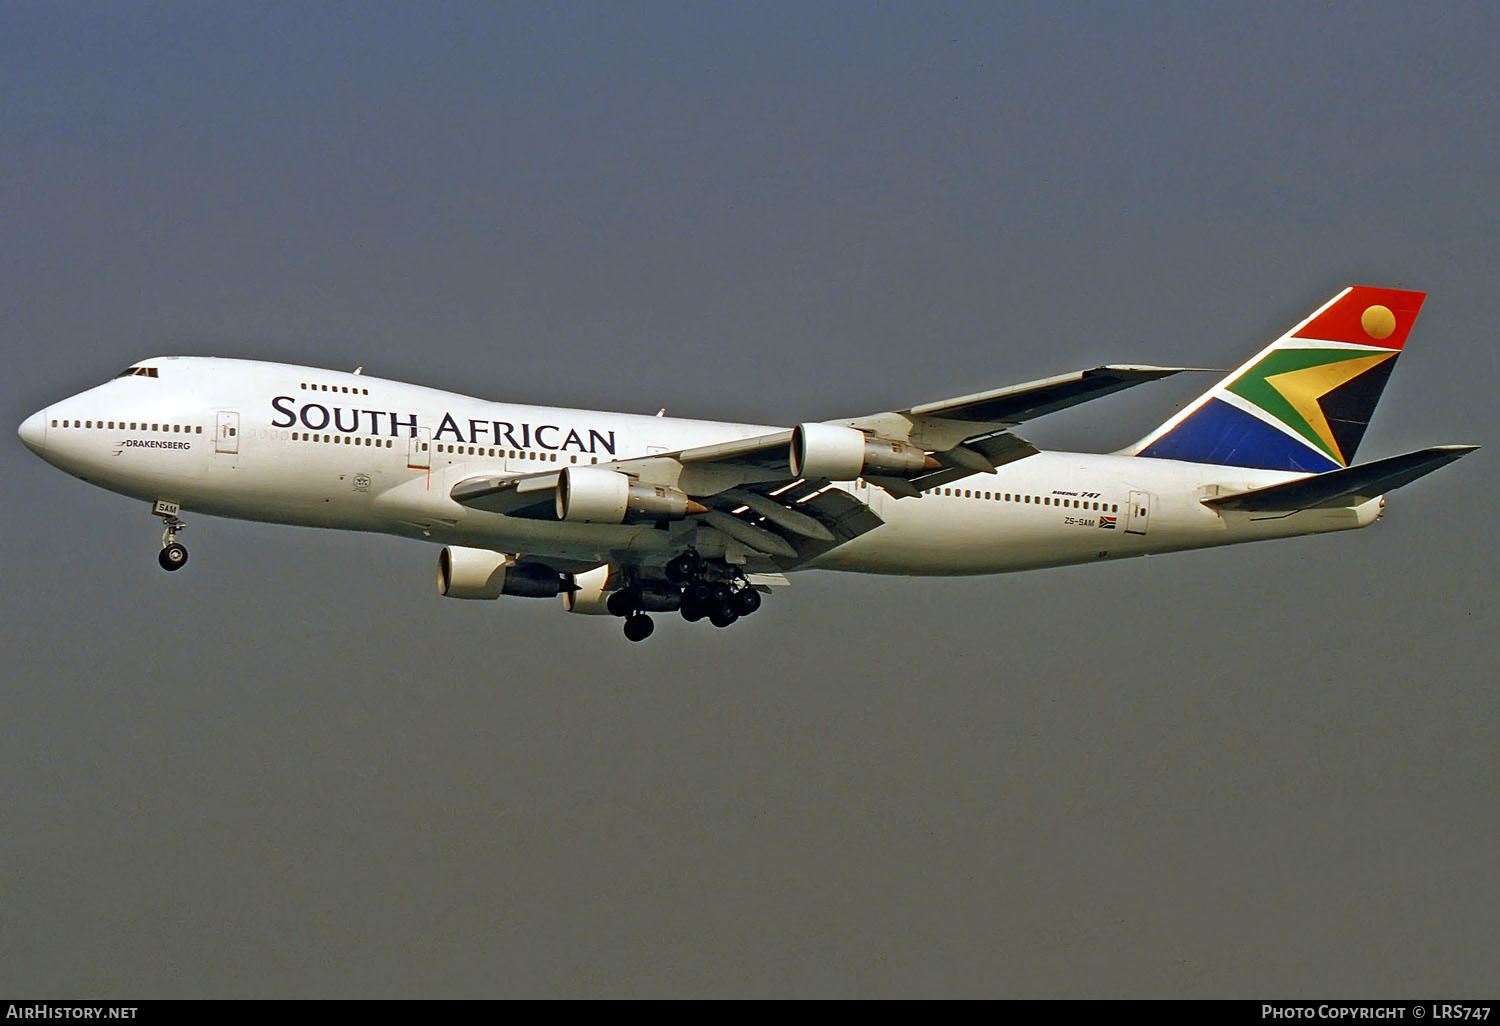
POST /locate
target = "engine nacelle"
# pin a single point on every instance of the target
(587, 595)
(594, 496)
(465, 573)
(835, 453)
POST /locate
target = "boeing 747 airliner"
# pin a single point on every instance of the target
(631, 515)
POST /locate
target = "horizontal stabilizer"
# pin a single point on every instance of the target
(1348, 487)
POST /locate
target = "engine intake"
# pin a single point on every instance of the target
(835, 453)
(587, 594)
(594, 496)
(465, 573)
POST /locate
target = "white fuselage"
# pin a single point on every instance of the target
(296, 445)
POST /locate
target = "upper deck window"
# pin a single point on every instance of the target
(138, 372)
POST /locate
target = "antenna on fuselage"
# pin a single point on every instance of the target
(359, 370)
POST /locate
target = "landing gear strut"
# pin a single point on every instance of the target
(695, 588)
(174, 554)
(721, 601)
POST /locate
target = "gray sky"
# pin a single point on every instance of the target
(292, 770)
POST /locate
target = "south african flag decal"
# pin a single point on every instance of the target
(1108, 523)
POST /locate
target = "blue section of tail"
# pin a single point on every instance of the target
(1218, 433)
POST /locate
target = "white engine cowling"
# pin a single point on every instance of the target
(465, 573)
(835, 453)
(588, 595)
(828, 452)
(592, 495)
(470, 573)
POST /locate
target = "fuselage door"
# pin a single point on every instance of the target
(227, 432)
(419, 450)
(1139, 514)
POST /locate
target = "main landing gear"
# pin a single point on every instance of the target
(173, 555)
(696, 589)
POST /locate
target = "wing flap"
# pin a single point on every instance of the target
(1348, 487)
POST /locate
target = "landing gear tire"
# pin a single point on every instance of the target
(638, 627)
(623, 602)
(173, 556)
(685, 567)
(723, 615)
(746, 601)
(691, 611)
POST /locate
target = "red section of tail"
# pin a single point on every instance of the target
(1367, 317)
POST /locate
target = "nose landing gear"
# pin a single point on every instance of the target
(174, 554)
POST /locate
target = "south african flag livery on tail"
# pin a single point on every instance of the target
(1303, 402)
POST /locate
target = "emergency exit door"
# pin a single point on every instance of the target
(419, 450)
(227, 432)
(1139, 515)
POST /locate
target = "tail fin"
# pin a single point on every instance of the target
(1304, 401)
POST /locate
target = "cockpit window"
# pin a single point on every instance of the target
(137, 372)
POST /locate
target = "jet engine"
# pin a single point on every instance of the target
(482, 574)
(836, 453)
(587, 594)
(592, 495)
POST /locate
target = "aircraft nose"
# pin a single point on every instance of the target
(33, 431)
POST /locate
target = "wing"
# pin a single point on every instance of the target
(947, 422)
(773, 493)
